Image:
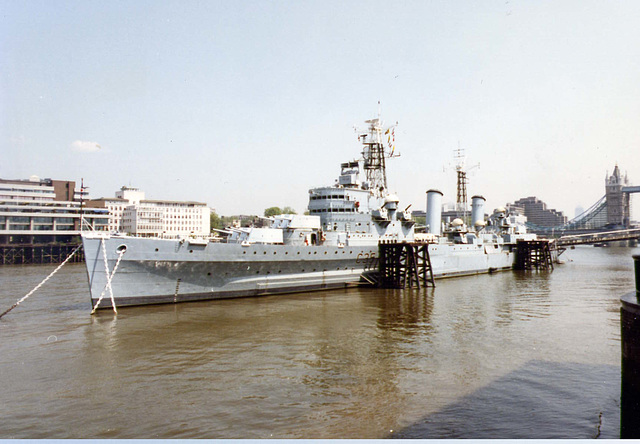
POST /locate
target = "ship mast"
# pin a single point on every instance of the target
(461, 201)
(374, 156)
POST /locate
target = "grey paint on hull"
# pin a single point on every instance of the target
(170, 274)
(168, 271)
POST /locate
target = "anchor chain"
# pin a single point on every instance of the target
(109, 278)
(42, 283)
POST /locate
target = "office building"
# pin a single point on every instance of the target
(130, 213)
(538, 214)
(43, 211)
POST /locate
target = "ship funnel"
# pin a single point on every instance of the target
(434, 211)
(477, 210)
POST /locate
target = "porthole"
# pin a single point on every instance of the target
(156, 249)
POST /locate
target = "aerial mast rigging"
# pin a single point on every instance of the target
(375, 154)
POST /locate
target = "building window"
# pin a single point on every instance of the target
(19, 227)
(19, 219)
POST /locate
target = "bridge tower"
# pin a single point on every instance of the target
(618, 212)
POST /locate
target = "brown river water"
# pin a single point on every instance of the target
(507, 355)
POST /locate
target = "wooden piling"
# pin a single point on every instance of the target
(404, 264)
(532, 254)
(17, 254)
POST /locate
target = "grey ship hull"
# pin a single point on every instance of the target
(153, 271)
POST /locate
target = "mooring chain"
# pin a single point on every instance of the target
(42, 283)
(109, 277)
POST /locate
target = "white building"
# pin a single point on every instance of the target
(131, 195)
(116, 208)
(42, 211)
(131, 213)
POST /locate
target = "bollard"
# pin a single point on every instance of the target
(630, 338)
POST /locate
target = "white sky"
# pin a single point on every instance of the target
(248, 104)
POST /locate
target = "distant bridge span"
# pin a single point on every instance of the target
(593, 218)
(598, 237)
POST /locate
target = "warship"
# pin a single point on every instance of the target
(334, 245)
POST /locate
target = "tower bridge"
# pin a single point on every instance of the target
(612, 212)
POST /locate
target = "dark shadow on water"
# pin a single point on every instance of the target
(541, 400)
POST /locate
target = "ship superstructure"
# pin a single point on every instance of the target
(358, 210)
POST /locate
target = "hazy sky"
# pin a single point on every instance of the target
(248, 104)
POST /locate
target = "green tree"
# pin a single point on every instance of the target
(288, 210)
(272, 211)
(216, 221)
(420, 220)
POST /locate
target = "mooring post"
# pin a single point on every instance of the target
(636, 266)
(630, 339)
